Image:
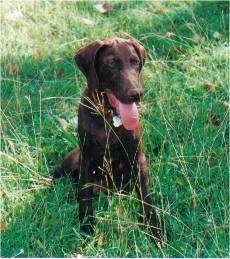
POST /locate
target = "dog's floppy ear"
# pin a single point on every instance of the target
(85, 59)
(140, 51)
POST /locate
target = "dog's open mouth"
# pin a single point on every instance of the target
(128, 112)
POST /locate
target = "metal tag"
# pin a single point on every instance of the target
(117, 121)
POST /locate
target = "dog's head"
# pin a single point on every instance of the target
(113, 66)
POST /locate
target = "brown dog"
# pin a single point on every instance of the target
(110, 153)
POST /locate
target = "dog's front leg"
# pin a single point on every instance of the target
(85, 196)
(149, 215)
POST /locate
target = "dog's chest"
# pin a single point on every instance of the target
(114, 172)
(116, 160)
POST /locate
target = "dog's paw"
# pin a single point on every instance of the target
(56, 173)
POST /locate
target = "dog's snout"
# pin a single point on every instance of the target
(134, 95)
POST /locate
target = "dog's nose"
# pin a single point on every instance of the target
(134, 95)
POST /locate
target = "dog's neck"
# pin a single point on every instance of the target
(102, 104)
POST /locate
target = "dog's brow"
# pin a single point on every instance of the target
(112, 56)
(131, 49)
(134, 56)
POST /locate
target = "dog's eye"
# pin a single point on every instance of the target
(134, 61)
(112, 62)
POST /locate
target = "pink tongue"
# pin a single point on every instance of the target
(128, 112)
(129, 115)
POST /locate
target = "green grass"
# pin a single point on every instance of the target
(184, 118)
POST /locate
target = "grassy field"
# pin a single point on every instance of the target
(184, 117)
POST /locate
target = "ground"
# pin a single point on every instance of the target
(184, 111)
